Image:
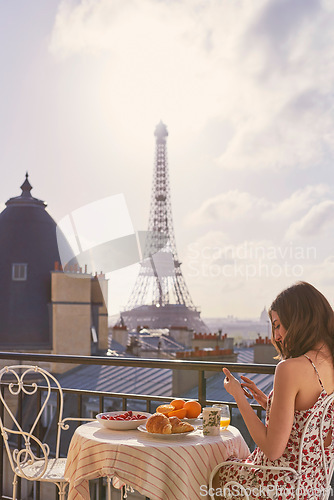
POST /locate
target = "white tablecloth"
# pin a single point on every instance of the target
(161, 468)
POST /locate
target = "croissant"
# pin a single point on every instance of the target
(178, 426)
(158, 423)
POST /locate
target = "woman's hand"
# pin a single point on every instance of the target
(232, 385)
(257, 394)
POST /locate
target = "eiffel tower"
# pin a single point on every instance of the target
(160, 297)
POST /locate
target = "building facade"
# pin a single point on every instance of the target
(44, 308)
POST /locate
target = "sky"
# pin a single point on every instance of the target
(246, 91)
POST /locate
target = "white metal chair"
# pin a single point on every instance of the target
(32, 460)
(326, 465)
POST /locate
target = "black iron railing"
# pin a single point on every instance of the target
(99, 400)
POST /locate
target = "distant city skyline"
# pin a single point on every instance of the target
(246, 93)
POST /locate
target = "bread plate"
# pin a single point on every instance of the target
(142, 428)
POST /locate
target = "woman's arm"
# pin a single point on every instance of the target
(272, 439)
(257, 394)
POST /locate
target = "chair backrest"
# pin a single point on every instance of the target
(22, 382)
(321, 419)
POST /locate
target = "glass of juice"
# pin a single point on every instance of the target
(225, 417)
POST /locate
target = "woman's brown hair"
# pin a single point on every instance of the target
(307, 318)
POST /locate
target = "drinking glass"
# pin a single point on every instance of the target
(225, 418)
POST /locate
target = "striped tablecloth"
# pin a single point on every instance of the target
(161, 468)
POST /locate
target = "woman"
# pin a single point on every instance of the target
(303, 334)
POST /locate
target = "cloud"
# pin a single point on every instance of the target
(265, 69)
(320, 274)
(216, 249)
(228, 206)
(297, 202)
(87, 27)
(279, 24)
(243, 206)
(287, 121)
(298, 134)
(239, 278)
(314, 222)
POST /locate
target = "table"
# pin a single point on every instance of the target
(160, 468)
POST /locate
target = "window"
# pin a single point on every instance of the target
(19, 272)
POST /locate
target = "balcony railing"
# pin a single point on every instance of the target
(95, 402)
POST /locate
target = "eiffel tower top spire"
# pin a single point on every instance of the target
(161, 132)
(160, 282)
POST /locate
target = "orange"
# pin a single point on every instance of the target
(165, 409)
(181, 413)
(193, 409)
(177, 403)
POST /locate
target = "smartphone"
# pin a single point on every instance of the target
(247, 393)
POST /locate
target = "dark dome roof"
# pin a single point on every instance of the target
(27, 237)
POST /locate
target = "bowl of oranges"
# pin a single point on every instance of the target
(184, 410)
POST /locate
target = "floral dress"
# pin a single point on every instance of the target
(281, 485)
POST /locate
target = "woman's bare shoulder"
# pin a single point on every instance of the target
(292, 361)
(290, 366)
(288, 378)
